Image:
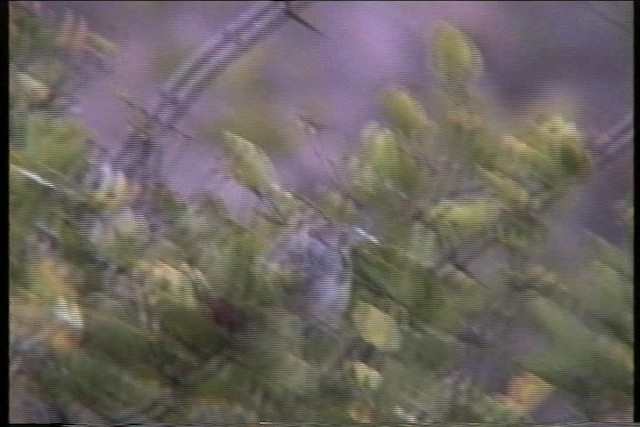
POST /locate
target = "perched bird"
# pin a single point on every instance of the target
(316, 257)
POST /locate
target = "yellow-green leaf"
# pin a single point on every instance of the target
(376, 327)
(404, 111)
(58, 144)
(506, 189)
(455, 57)
(250, 166)
(366, 376)
(464, 217)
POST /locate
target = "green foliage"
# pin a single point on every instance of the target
(102, 387)
(406, 114)
(194, 321)
(376, 327)
(51, 144)
(590, 352)
(382, 166)
(250, 166)
(456, 59)
(120, 343)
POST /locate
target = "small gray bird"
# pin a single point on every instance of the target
(317, 254)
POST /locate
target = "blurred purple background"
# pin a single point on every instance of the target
(536, 55)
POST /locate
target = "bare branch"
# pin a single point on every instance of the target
(614, 141)
(185, 86)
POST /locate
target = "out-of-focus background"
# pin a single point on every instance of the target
(571, 57)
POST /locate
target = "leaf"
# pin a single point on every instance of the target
(57, 144)
(376, 327)
(383, 153)
(383, 163)
(360, 412)
(423, 247)
(101, 45)
(519, 157)
(364, 180)
(251, 167)
(562, 142)
(405, 112)
(285, 202)
(366, 376)
(464, 217)
(456, 59)
(505, 188)
(527, 391)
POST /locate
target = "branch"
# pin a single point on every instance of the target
(614, 141)
(206, 64)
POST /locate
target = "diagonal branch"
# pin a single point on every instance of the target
(614, 141)
(206, 64)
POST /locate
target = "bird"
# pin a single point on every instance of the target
(317, 255)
